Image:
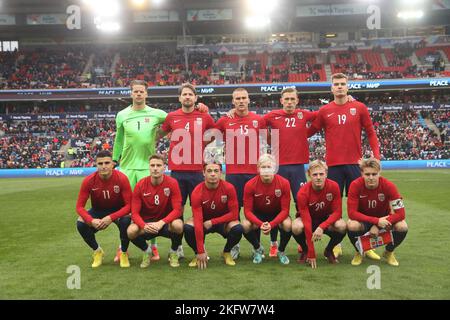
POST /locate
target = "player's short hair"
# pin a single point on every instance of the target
(338, 75)
(138, 83)
(317, 164)
(212, 162)
(156, 156)
(289, 90)
(103, 154)
(266, 158)
(238, 90)
(372, 162)
(188, 86)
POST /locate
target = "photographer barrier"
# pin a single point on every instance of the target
(77, 172)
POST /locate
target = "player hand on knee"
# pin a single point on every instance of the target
(107, 221)
(148, 228)
(207, 224)
(155, 227)
(202, 260)
(383, 223)
(266, 227)
(96, 223)
(317, 235)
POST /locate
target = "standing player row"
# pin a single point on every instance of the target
(342, 121)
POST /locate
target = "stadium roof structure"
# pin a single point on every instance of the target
(289, 16)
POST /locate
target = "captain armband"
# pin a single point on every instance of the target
(397, 204)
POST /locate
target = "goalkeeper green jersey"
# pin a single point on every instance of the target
(135, 136)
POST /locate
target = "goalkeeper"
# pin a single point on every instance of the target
(136, 128)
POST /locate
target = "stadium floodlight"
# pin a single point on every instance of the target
(138, 2)
(104, 8)
(410, 3)
(410, 14)
(262, 7)
(257, 22)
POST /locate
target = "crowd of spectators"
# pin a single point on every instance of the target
(42, 68)
(30, 151)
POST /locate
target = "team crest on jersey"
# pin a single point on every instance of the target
(147, 120)
(255, 123)
(381, 196)
(353, 111)
(329, 196)
(167, 192)
(300, 115)
(224, 199)
(199, 120)
(278, 193)
(116, 189)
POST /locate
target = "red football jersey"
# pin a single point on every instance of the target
(241, 137)
(293, 147)
(218, 205)
(268, 199)
(112, 194)
(366, 205)
(154, 203)
(319, 208)
(343, 126)
(195, 124)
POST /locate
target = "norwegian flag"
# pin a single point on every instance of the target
(366, 242)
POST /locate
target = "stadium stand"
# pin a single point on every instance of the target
(41, 144)
(115, 66)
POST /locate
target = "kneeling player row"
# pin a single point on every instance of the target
(156, 210)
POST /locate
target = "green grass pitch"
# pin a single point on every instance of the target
(39, 241)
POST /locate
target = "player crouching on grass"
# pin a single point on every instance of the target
(156, 211)
(267, 200)
(110, 194)
(215, 209)
(320, 207)
(369, 203)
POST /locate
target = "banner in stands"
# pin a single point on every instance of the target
(55, 18)
(7, 19)
(73, 172)
(112, 116)
(331, 10)
(60, 116)
(156, 16)
(244, 48)
(223, 90)
(209, 15)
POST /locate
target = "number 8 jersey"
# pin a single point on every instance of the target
(153, 203)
